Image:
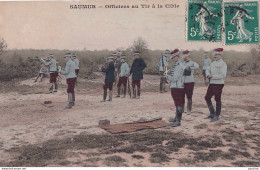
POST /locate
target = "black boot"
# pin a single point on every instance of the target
(73, 99)
(124, 91)
(211, 110)
(173, 119)
(110, 95)
(138, 92)
(134, 93)
(218, 111)
(179, 110)
(69, 105)
(118, 91)
(161, 85)
(104, 96)
(164, 84)
(51, 88)
(56, 87)
(189, 105)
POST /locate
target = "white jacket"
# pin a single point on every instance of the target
(175, 75)
(192, 66)
(217, 72)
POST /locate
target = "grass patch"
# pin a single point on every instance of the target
(187, 161)
(137, 156)
(93, 160)
(201, 126)
(212, 156)
(134, 148)
(246, 163)
(159, 158)
(231, 135)
(114, 161)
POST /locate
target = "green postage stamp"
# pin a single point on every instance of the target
(241, 22)
(204, 20)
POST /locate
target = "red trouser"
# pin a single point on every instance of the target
(108, 85)
(214, 90)
(136, 83)
(71, 85)
(53, 77)
(122, 80)
(178, 96)
(188, 88)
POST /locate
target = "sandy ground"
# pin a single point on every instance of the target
(25, 119)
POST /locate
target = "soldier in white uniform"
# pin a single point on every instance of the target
(163, 64)
(216, 74)
(189, 80)
(206, 64)
(176, 78)
(123, 76)
(51, 62)
(69, 72)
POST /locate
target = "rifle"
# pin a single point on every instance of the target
(129, 87)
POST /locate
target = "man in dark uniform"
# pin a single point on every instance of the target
(137, 73)
(109, 80)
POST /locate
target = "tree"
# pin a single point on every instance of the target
(3, 46)
(140, 45)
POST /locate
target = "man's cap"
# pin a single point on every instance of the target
(186, 53)
(51, 55)
(74, 55)
(122, 56)
(167, 52)
(175, 53)
(110, 57)
(136, 53)
(67, 55)
(218, 51)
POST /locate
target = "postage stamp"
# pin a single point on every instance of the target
(241, 22)
(204, 20)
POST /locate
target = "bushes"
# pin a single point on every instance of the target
(19, 63)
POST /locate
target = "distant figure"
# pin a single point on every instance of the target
(51, 62)
(69, 72)
(76, 60)
(123, 76)
(137, 73)
(176, 78)
(41, 73)
(109, 80)
(163, 64)
(206, 64)
(216, 74)
(189, 80)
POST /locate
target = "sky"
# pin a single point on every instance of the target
(53, 25)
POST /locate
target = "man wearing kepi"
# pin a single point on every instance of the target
(109, 80)
(123, 75)
(206, 64)
(216, 74)
(137, 70)
(176, 78)
(189, 80)
(51, 62)
(71, 77)
(163, 63)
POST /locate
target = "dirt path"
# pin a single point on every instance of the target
(26, 120)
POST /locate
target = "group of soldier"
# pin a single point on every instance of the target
(182, 80)
(71, 71)
(180, 77)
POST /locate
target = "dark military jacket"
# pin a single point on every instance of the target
(137, 69)
(110, 70)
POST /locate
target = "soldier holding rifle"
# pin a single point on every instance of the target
(163, 63)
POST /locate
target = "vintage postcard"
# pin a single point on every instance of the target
(140, 83)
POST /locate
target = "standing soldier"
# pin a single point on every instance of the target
(176, 78)
(69, 72)
(163, 63)
(76, 60)
(117, 67)
(110, 78)
(216, 74)
(137, 70)
(123, 76)
(189, 80)
(51, 62)
(206, 64)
